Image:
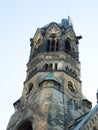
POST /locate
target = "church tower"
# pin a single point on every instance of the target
(52, 96)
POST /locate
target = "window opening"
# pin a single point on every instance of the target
(26, 126)
(46, 66)
(53, 45)
(48, 45)
(51, 66)
(57, 45)
(67, 46)
(56, 66)
(35, 68)
(94, 128)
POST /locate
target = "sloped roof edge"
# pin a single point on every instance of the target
(85, 119)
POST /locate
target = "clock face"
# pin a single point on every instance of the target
(73, 89)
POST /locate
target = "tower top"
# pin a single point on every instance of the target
(52, 93)
(55, 37)
(64, 23)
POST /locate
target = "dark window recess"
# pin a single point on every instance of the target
(94, 128)
(56, 66)
(67, 68)
(53, 45)
(46, 66)
(51, 66)
(35, 68)
(26, 126)
(29, 128)
(48, 45)
(67, 46)
(57, 45)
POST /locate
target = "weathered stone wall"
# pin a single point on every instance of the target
(50, 104)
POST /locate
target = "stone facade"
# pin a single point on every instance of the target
(52, 97)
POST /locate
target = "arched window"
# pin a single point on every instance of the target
(27, 125)
(94, 128)
(67, 46)
(49, 66)
(56, 66)
(53, 45)
(57, 45)
(46, 66)
(48, 45)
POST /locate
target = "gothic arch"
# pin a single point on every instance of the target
(25, 124)
(67, 45)
(94, 128)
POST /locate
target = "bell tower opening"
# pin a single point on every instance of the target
(48, 45)
(25, 126)
(53, 45)
(57, 45)
(67, 46)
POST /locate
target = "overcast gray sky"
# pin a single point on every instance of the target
(19, 20)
